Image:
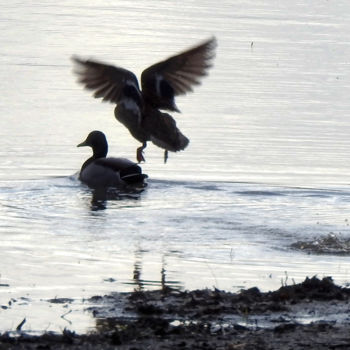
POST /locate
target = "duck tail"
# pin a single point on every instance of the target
(132, 174)
(182, 141)
(165, 133)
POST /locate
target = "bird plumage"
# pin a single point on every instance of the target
(100, 171)
(139, 110)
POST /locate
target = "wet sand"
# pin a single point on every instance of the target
(310, 315)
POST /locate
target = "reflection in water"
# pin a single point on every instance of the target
(101, 196)
(214, 203)
(110, 320)
(141, 283)
(98, 200)
(162, 273)
(138, 269)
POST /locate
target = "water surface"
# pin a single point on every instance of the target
(267, 164)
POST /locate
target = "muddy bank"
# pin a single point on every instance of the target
(310, 315)
(332, 243)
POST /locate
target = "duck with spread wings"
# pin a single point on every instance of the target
(139, 109)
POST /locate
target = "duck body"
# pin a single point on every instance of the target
(100, 171)
(165, 134)
(133, 121)
(155, 126)
(139, 110)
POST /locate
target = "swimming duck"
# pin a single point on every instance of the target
(101, 172)
(139, 109)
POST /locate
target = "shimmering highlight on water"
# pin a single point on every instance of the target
(267, 164)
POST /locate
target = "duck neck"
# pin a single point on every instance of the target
(100, 152)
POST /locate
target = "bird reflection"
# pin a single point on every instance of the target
(101, 196)
(141, 283)
(98, 200)
(112, 321)
(137, 272)
(163, 273)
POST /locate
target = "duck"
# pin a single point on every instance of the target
(143, 110)
(100, 171)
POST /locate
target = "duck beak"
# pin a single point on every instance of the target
(84, 143)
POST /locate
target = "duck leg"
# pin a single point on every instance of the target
(139, 153)
(165, 156)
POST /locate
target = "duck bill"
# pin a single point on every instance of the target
(82, 144)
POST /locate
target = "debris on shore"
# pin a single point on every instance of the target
(309, 315)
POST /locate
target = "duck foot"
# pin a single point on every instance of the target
(139, 153)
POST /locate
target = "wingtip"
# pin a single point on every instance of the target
(212, 45)
(78, 65)
(76, 59)
(211, 42)
(214, 41)
(209, 47)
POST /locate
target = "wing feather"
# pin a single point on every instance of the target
(181, 72)
(105, 80)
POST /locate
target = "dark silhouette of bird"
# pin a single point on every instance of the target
(140, 109)
(100, 171)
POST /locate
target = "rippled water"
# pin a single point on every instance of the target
(267, 164)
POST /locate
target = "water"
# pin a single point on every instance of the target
(267, 164)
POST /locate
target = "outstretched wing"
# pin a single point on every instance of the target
(108, 82)
(177, 75)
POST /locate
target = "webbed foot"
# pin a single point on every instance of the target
(139, 153)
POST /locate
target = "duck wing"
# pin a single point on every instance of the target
(177, 75)
(108, 82)
(116, 164)
(128, 171)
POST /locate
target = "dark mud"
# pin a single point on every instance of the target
(312, 315)
(332, 243)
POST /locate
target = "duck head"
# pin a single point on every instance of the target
(98, 142)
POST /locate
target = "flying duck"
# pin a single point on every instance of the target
(101, 172)
(139, 109)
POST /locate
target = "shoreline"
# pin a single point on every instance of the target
(312, 314)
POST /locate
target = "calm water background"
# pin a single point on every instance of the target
(268, 162)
